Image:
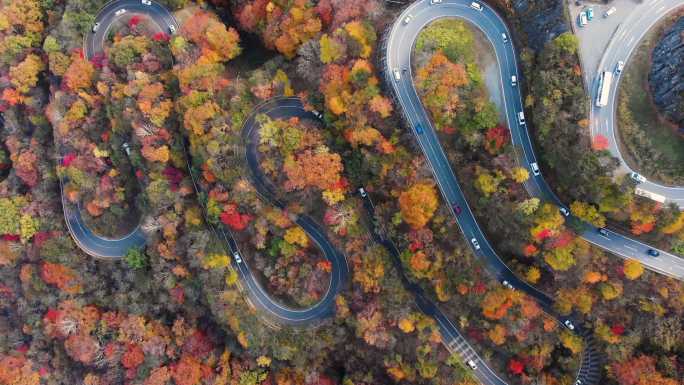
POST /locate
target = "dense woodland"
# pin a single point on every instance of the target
(119, 131)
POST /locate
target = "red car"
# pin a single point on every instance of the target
(457, 209)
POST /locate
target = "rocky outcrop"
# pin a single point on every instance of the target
(540, 20)
(666, 78)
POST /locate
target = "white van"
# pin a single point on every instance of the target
(582, 21)
(476, 5)
(521, 118)
(514, 80)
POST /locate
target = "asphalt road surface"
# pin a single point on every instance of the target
(397, 51)
(603, 120)
(286, 108)
(91, 243)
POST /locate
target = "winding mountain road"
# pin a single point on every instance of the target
(93, 244)
(603, 120)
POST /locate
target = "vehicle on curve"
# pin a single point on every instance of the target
(172, 28)
(317, 114)
(120, 12)
(96, 26)
(603, 232)
(432, 2)
(504, 37)
(475, 5)
(514, 80)
(362, 192)
(637, 177)
(507, 284)
(619, 67)
(564, 211)
(419, 128)
(578, 382)
(472, 364)
(521, 118)
(535, 168)
(236, 255)
(475, 243)
(605, 78)
(126, 148)
(569, 324)
(653, 252)
(407, 19)
(397, 74)
(609, 12)
(582, 19)
(590, 14)
(146, 2)
(457, 209)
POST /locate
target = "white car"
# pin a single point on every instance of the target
(146, 2)
(637, 177)
(472, 364)
(609, 12)
(582, 21)
(407, 19)
(514, 80)
(564, 211)
(126, 148)
(475, 5)
(120, 12)
(397, 74)
(362, 192)
(172, 28)
(521, 118)
(619, 67)
(569, 324)
(535, 168)
(96, 26)
(504, 37)
(476, 245)
(236, 255)
(432, 2)
(507, 284)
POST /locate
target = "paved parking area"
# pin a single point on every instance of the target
(594, 37)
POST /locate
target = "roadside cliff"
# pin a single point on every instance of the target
(666, 78)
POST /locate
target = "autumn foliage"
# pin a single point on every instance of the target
(418, 204)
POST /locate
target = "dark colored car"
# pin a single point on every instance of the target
(653, 252)
(457, 209)
(419, 128)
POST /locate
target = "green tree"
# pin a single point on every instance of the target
(136, 258)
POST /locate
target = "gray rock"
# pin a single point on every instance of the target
(540, 20)
(666, 78)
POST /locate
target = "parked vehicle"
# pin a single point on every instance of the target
(609, 12)
(535, 168)
(476, 244)
(582, 19)
(619, 67)
(514, 80)
(475, 5)
(653, 252)
(590, 14)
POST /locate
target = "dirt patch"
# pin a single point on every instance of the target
(486, 61)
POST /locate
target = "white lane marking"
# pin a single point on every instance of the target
(630, 247)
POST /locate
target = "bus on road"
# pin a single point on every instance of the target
(605, 79)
